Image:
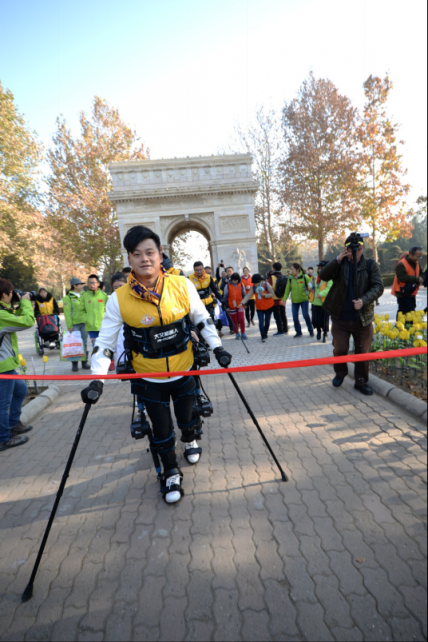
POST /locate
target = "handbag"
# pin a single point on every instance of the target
(72, 347)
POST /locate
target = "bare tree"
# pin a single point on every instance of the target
(262, 139)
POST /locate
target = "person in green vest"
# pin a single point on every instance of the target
(320, 318)
(12, 391)
(75, 318)
(94, 303)
(298, 286)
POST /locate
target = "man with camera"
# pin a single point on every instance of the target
(16, 315)
(357, 284)
(158, 311)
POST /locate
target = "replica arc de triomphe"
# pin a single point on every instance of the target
(213, 195)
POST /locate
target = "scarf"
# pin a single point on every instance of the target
(140, 290)
(201, 278)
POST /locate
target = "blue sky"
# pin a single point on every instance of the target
(182, 72)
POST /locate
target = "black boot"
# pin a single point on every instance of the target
(318, 335)
(85, 365)
(75, 366)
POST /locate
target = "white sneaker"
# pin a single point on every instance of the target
(173, 495)
(192, 459)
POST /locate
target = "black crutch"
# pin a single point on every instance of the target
(28, 593)
(250, 412)
(229, 317)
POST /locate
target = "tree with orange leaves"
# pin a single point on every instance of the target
(319, 178)
(79, 206)
(383, 203)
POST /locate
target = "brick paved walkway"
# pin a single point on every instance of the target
(337, 553)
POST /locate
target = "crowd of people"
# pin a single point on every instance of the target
(336, 292)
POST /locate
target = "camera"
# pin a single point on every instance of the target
(201, 355)
(18, 294)
(355, 240)
(203, 406)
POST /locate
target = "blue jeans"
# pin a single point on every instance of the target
(12, 394)
(305, 311)
(94, 336)
(264, 321)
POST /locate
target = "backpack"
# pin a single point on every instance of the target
(281, 284)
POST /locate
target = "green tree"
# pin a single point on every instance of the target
(319, 171)
(383, 198)
(19, 273)
(79, 207)
(20, 155)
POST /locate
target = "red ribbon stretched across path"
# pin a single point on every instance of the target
(305, 363)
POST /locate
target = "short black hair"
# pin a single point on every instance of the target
(136, 235)
(94, 276)
(310, 268)
(119, 276)
(236, 277)
(256, 278)
(198, 264)
(277, 267)
(127, 270)
(230, 268)
(415, 248)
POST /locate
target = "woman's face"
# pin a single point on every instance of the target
(43, 294)
(246, 271)
(294, 271)
(79, 287)
(116, 285)
(235, 282)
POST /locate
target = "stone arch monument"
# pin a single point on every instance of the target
(213, 195)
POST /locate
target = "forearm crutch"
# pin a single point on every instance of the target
(28, 593)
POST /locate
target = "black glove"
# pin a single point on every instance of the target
(223, 357)
(93, 392)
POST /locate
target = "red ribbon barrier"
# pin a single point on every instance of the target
(305, 363)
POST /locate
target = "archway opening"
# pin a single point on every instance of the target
(187, 247)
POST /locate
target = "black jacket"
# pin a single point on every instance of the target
(370, 287)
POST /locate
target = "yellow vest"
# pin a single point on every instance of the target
(201, 286)
(174, 305)
(274, 280)
(174, 271)
(47, 307)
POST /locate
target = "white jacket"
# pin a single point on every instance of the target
(112, 325)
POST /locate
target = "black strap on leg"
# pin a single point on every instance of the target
(166, 475)
(162, 447)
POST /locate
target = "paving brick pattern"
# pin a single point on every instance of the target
(336, 553)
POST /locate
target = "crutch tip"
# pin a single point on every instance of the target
(27, 594)
(284, 477)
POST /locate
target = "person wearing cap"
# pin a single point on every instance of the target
(319, 315)
(75, 318)
(348, 312)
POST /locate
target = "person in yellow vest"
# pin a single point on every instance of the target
(157, 310)
(320, 318)
(408, 279)
(45, 304)
(168, 266)
(206, 286)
